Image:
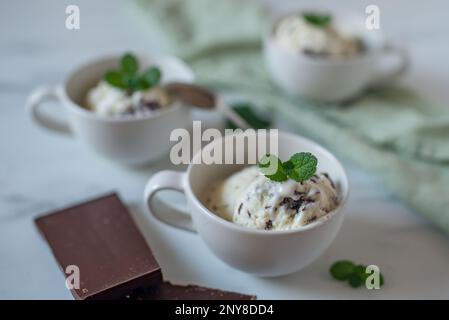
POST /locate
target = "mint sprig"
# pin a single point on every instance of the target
(342, 270)
(300, 167)
(129, 64)
(272, 168)
(152, 76)
(127, 77)
(115, 78)
(318, 20)
(355, 275)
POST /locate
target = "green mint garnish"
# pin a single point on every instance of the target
(129, 64)
(300, 167)
(115, 78)
(127, 77)
(342, 270)
(318, 20)
(358, 276)
(355, 275)
(271, 167)
(131, 82)
(355, 280)
(152, 76)
(247, 112)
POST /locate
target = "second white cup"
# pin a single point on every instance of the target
(130, 141)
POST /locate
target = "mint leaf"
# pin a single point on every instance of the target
(132, 82)
(301, 166)
(318, 20)
(142, 84)
(289, 169)
(129, 64)
(360, 271)
(115, 79)
(127, 78)
(270, 162)
(151, 76)
(342, 270)
(355, 280)
(356, 275)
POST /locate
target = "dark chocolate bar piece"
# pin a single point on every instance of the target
(100, 237)
(168, 291)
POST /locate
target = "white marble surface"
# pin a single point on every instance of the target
(40, 171)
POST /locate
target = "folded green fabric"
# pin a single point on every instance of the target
(395, 134)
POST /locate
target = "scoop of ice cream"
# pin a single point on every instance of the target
(295, 34)
(105, 99)
(268, 204)
(223, 197)
(250, 199)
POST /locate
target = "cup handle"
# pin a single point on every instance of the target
(34, 102)
(167, 180)
(387, 77)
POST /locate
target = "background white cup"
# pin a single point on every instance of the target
(260, 252)
(335, 80)
(128, 140)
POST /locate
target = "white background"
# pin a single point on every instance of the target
(40, 172)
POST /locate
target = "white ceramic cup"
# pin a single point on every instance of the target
(335, 80)
(128, 140)
(259, 252)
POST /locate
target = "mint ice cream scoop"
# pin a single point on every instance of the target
(250, 199)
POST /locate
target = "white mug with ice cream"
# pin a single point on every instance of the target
(127, 139)
(283, 249)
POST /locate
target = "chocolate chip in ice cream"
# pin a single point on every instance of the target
(291, 203)
(329, 179)
(150, 105)
(240, 207)
(268, 225)
(315, 54)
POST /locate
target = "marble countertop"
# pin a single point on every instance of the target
(40, 171)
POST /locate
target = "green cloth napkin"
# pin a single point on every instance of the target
(396, 135)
